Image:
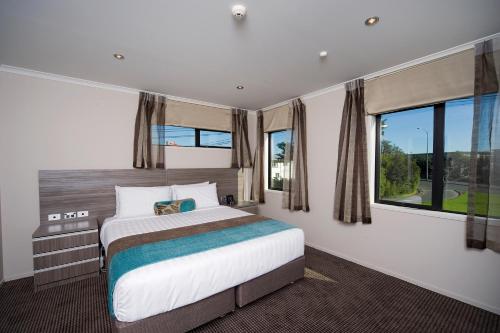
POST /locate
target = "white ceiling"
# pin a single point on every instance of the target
(196, 49)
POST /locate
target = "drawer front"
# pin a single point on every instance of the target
(66, 257)
(67, 272)
(251, 209)
(64, 242)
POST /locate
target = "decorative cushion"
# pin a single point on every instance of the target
(174, 206)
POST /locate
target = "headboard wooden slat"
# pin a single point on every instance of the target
(94, 190)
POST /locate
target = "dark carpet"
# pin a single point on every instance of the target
(335, 296)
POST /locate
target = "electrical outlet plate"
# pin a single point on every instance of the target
(70, 215)
(82, 213)
(54, 217)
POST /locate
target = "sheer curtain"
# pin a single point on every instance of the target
(352, 197)
(295, 182)
(148, 153)
(483, 214)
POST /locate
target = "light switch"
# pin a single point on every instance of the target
(69, 215)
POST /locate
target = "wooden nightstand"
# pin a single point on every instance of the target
(65, 252)
(247, 206)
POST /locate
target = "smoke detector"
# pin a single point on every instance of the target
(239, 12)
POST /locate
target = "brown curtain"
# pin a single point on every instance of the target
(295, 191)
(483, 207)
(149, 138)
(257, 192)
(352, 203)
(241, 156)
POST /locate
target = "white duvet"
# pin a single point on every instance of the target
(169, 284)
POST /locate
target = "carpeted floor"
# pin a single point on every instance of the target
(335, 296)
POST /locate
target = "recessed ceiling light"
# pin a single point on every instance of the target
(239, 87)
(372, 20)
(323, 54)
(119, 56)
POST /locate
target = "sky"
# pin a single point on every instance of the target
(277, 137)
(408, 129)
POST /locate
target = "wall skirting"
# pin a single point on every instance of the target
(17, 276)
(410, 280)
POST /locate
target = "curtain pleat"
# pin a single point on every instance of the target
(295, 182)
(483, 206)
(241, 156)
(257, 192)
(150, 111)
(352, 203)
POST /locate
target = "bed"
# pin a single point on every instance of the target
(184, 269)
(178, 291)
(187, 279)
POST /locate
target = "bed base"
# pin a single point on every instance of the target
(193, 315)
(265, 284)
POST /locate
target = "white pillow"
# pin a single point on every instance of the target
(205, 196)
(186, 185)
(139, 201)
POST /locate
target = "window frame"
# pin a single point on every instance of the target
(438, 159)
(197, 138)
(269, 159)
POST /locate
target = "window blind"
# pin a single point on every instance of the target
(443, 79)
(277, 119)
(197, 116)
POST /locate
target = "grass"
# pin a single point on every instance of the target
(459, 204)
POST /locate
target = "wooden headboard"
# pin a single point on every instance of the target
(94, 190)
(226, 179)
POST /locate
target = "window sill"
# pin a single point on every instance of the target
(423, 212)
(273, 191)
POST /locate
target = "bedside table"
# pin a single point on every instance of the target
(65, 252)
(247, 206)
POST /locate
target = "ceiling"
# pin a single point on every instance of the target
(195, 49)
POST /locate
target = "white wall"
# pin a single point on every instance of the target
(48, 124)
(423, 249)
(1, 247)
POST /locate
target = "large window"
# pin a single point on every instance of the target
(192, 137)
(423, 156)
(276, 150)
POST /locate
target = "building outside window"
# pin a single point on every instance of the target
(278, 142)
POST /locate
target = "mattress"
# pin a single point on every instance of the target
(170, 284)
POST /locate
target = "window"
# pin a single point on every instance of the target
(423, 156)
(192, 137)
(215, 139)
(276, 155)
